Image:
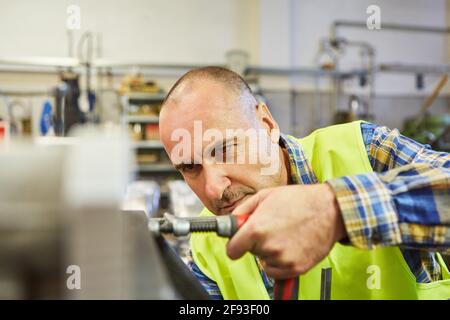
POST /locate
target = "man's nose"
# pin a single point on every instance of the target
(216, 183)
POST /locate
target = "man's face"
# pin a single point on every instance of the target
(208, 115)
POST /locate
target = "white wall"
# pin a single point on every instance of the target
(291, 30)
(281, 33)
(194, 31)
(275, 32)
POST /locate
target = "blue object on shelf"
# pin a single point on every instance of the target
(46, 122)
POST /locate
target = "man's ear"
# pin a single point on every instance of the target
(265, 118)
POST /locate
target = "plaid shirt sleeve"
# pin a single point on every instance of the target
(209, 285)
(404, 202)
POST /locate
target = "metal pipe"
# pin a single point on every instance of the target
(144, 64)
(293, 113)
(317, 108)
(27, 93)
(311, 72)
(387, 26)
(417, 69)
(339, 43)
(70, 40)
(41, 61)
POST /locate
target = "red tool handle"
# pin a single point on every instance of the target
(241, 219)
(284, 289)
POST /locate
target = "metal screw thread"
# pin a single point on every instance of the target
(203, 226)
(166, 228)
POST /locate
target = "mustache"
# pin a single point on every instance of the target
(233, 195)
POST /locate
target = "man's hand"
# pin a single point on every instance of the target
(291, 228)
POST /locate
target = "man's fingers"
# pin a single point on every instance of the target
(241, 242)
(244, 239)
(250, 204)
(275, 261)
(279, 273)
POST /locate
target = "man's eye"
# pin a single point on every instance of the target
(228, 148)
(223, 153)
(189, 168)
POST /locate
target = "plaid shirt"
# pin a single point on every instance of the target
(404, 202)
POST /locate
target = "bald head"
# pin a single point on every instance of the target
(211, 114)
(233, 84)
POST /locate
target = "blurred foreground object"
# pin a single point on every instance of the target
(183, 201)
(62, 234)
(142, 196)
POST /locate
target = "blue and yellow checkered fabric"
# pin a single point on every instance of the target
(405, 202)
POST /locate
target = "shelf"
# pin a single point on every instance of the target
(148, 144)
(157, 167)
(141, 119)
(143, 96)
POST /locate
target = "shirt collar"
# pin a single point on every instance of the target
(301, 169)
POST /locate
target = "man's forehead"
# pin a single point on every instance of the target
(208, 115)
(207, 101)
(204, 104)
(200, 90)
(195, 137)
(205, 127)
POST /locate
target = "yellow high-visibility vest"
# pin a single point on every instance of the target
(381, 273)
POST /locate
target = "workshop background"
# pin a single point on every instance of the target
(105, 66)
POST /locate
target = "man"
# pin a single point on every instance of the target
(364, 200)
